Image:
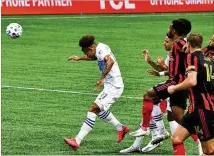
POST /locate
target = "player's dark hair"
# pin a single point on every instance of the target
(182, 26)
(86, 41)
(195, 40)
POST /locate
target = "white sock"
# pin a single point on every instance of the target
(173, 125)
(158, 118)
(153, 128)
(138, 141)
(86, 127)
(110, 118)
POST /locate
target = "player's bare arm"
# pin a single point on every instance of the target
(147, 58)
(78, 58)
(109, 63)
(189, 82)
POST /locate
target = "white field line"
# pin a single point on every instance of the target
(100, 16)
(62, 91)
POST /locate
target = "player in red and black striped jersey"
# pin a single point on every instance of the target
(209, 50)
(200, 82)
(178, 29)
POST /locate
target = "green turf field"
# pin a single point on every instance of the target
(44, 97)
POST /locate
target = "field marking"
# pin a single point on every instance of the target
(102, 16)
(63, 91)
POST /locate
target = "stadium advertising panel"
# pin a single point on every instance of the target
(11, 7)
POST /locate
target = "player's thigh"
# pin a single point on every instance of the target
(208, 146)
(107, 97)
(161, 89)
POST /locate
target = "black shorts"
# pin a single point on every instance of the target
(201, 122)
(177, 99)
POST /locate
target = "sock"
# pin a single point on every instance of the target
(195, 138)
(146, 112)
(108, 117)
(173, 125)
(86, 127)
(153, 128)
(178, 148)
(158, 118)
(138, 141)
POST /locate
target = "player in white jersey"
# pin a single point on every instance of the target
(156, 122)
(113, 89)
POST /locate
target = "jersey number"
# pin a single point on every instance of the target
(209, 72)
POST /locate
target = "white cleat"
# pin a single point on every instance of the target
(151, 147)
(140, 132)
(130, 150)
(161, 137)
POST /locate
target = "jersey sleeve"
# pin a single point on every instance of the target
(102, 53)
(192, 62)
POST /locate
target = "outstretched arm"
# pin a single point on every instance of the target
(79, 58)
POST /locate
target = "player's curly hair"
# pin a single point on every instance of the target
(182, 26)
(86, 41)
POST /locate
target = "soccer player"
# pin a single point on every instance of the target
(209, 50)
(157, 111)
(177, 30)
(113, 88)
(200, 115)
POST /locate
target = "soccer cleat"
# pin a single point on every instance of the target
(160, 138)
(151, 147)
(122, 133)
(130, 150)
(72, 142)
(140, 132)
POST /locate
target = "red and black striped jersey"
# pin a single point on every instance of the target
(177, 58)
(209, 51)
(202, 94)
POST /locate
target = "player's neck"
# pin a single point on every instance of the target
(195, 49)
(176, 37)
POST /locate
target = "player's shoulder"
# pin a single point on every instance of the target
(180, 43)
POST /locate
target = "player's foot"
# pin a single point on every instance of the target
(140, 132)
(130, 150)
(161, 137)
(72, 142)
(151, 147)
(122, 133)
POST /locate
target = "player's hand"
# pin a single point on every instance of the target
(145, 53)
(99, 84)
(171, 89)
(160, 60)
(153, 72)
(75, 58)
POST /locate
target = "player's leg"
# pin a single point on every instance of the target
(111, 94)
(135, 147)
(178, 105)
(86, 128)
(178, 137)
(147, 108)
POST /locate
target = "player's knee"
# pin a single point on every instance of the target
(176, 140)
(208, 151)
(94, 108)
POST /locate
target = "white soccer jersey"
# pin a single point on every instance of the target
(114, 75)
(167, 60)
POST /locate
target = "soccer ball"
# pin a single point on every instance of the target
(14, 30)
